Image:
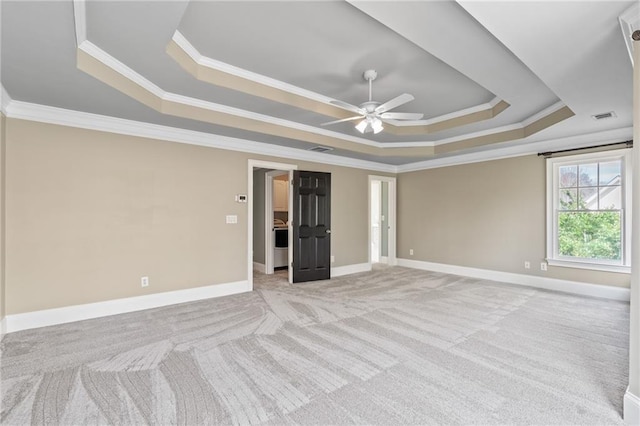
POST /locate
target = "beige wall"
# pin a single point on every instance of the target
(488, 215)
(2, 213)
(89, 213)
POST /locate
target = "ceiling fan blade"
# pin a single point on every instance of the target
(395, 102)
(348, 107)
(342, 121)
(401, 115)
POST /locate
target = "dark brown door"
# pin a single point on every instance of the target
(311, 226)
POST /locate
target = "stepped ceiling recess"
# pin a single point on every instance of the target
(486, 76)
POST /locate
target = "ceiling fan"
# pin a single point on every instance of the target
(373, 113)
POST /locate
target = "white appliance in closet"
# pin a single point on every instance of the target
(280, 243)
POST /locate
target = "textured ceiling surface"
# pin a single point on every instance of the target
(456, 58)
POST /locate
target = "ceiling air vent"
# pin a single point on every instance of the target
(320, 149)
(604, 115)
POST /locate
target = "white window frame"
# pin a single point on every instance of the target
(553, 164)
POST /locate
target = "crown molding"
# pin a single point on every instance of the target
(89, 121)
(64, 117)
(5, 100)
(578, 141)
(542, 114)
(495, 130)
(100, 55)
(473, 135)
(451, 116)
(208, 62)
(629, 22)
(80, 20)
(211, 106)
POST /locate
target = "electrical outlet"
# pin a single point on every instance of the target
(144, 281)
(543, 266)
(527, 264)
(410, 252)
(333, 259)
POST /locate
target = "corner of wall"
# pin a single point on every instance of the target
(3, 145)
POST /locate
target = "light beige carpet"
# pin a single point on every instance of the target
(393, 346)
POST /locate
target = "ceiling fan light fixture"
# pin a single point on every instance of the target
(377, 126)
(362, 126)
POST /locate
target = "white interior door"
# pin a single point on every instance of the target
(375, 220)
(382, 220)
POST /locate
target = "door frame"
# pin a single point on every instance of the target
(268, 218)
(258, 164)
(391, 253)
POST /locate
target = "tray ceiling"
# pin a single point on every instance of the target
(267, 71)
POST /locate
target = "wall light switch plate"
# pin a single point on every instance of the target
(527, 264)
(232, 218)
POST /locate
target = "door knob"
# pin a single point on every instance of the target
(328, 231)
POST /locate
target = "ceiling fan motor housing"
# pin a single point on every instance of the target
(369, 106)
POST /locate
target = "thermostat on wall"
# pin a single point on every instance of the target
(241, 198)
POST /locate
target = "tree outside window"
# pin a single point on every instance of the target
(588, 196)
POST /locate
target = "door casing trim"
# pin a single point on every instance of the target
(266, 165)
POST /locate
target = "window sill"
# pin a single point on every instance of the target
(592, 266)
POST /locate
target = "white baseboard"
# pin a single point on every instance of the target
(3, 328)
(585, 289)
(631, 409)
(259, 267)
(67, 314)
(339, 271)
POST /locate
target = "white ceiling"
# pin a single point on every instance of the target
(451, 56)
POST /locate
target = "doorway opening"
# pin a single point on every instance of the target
(277, 219)
(268, 226)
(382, 220)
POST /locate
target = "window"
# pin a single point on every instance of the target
(588, 211)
